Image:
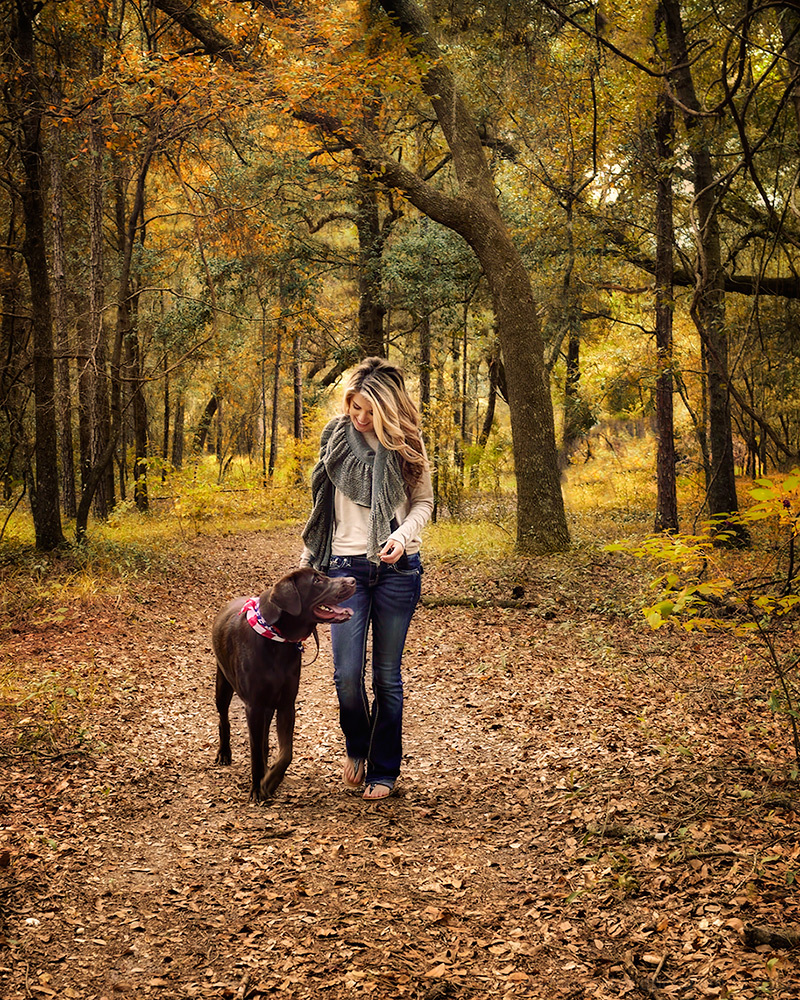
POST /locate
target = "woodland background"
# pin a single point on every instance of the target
(575, 226)
(210, 211)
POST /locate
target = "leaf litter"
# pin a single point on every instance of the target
(586, 809)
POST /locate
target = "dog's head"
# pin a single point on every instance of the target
(309, 596)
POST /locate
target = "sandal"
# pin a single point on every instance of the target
(378, 790)
(353, 774)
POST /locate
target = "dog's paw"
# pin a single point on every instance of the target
(269, 786)
(222, 758)
(259, 797)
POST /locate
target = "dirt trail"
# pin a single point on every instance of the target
(544, 841)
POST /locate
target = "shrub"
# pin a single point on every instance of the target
(704, 586)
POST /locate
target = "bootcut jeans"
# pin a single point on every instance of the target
(385, 599)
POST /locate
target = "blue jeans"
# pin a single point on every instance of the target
(385, 598)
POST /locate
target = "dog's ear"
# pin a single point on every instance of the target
(285, 597)
(269, 612)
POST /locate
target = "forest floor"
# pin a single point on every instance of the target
(587, 809)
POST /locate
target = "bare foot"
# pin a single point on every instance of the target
(375, 790)
(353, 774)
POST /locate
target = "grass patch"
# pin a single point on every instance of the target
(48, 712)
(133, 545)
(449, 541)
(614, 495)
(45, 584)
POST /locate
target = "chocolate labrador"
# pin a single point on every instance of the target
(258, 645)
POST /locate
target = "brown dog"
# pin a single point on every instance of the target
(258, 648)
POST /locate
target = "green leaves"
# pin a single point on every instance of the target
(706, 586)
(697, 582)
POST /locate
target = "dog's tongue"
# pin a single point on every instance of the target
(332, 613)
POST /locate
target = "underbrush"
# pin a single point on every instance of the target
(48, 694)
(49, 712)
(471, 556)
(131, 544)
(609, 497)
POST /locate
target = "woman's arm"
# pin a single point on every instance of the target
(419, 513)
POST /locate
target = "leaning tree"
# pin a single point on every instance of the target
(466, 201)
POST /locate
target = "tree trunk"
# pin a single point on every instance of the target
(177, 432)
(708, 307)
(297, 385)
(165, 434)
(139, 407)
(455, 381)
(701, 425)
(97, 471)
(424, 365)
(482, 433)
(574, 424)
(541, 519)
(263, 367)
(60, 300)
(99, 412)
(466, 426)
(371, 307)
(14, 358)
(204, 426)
(666, 501)
(570, 316)
(44, 490)
(126, 341)
(436, 475)
(491, 402)
(276, 388)
(86, 396)
(105, 495)
(99, 404)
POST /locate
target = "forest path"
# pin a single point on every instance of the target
(563, 821)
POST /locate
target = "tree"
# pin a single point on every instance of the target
(13, 351)
(372, 235)
(667, 502)
(708, 307)
(473, 212)
(26, 108)
(60, 302)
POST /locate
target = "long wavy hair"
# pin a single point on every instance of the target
(395, 416)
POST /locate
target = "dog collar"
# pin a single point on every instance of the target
(257, 623)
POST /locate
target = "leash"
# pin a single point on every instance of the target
(316, 655)
(256, 622)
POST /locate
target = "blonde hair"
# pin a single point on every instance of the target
(395, 416)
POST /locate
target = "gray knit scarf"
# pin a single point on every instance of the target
(369, 478)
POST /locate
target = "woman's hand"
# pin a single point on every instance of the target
(391, 551)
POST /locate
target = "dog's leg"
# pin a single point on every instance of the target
(258, 723)
(224, 693)
(284, 726)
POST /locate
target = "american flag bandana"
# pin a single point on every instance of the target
(257, 623)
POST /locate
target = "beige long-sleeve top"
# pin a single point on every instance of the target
(351, 520)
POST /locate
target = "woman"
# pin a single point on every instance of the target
(372, 494)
